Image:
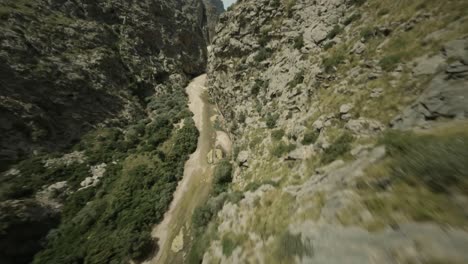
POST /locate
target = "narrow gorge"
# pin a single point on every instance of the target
(275, 131)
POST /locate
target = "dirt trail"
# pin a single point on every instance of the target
(194, 188)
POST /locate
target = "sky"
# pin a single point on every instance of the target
(227, 3)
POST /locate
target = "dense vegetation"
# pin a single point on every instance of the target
(111, 222)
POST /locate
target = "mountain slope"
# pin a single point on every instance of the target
(317, 96)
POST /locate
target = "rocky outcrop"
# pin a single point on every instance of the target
(69, 66)
(447, 94)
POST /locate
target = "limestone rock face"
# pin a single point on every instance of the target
(68, 66)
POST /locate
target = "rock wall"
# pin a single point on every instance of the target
(69, 66)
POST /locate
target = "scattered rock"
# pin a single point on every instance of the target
(344, 109)
(428, 65)
(97, 173)
(364, 126)
(66, 160)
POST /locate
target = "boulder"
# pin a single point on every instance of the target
(344, 109)
(242, 158)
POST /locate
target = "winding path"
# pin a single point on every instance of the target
(195, 186)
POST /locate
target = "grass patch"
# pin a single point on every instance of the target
(281, 148)
(390, 62)
(423, 171)
(439, 162)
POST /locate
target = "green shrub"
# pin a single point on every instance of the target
(329, 45)
(242, 117)
(367, 34)
(222, 176)
(352, 18)
(357, 2)
(264, 39)
(271, 120)
(310, 136)
(389, 63)
(259, 86)
(298, 79)
(277, 134)
(299, 42)
(331, 62)
(334, 32)
(228, 245)
(341, 146)
(262, 55)
(439, 162)
(282, 148)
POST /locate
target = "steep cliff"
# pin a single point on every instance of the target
(92, 109)
(317, 96)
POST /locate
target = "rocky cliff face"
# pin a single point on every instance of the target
(69, 66)
(213, 8)
(312, 93)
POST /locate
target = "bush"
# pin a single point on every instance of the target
(353, 17)
(389, 63)
(332, 62)
(298, 79)
(367, 34)
(258, 86)
(222, 176)
(271, 120)
(264, 39)
(277, 134)
(439, 162)
(310, 137)
(299, 42)
(338, 148)
(262, 55)
(334, 32)
(282, 148)
(357, 2)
